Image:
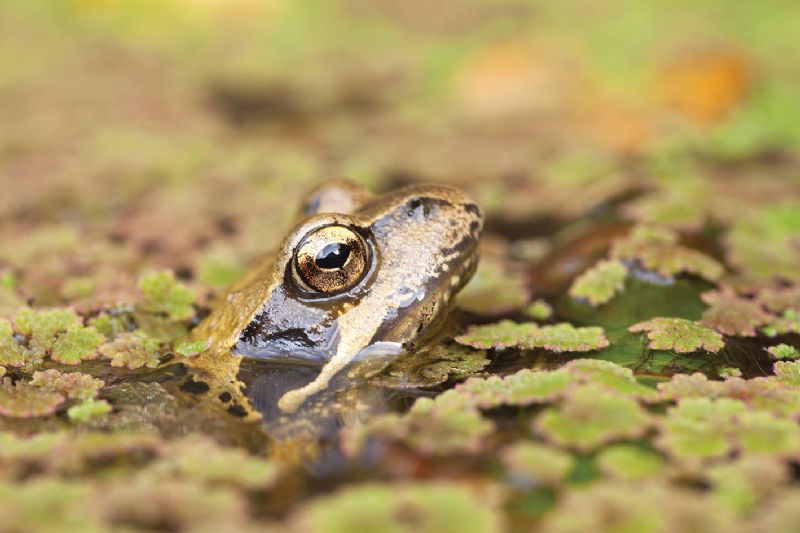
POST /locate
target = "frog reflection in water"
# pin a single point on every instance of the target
(358, 278)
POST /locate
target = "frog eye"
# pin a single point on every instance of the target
(331, 259)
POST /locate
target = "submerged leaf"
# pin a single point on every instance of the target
(591, 416)
(600, 283)
(679, 334)
(433, 365)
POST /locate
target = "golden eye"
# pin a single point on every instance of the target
(331, 259)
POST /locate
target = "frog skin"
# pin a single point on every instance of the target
(358, 277)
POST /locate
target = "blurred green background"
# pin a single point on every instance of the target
(181, 133)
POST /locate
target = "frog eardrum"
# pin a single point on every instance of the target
(330, 260)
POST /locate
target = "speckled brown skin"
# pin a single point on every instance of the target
(422, 248)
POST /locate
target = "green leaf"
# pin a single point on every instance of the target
(44, 324)
(762, 432)
(683, 386)
(77, 344)
(161, 293)
(600, 283)
(679, 334)
(190, 348)
(132, 350)
(493, 290)
(567, 338)
(732, 315)
(200, 458)
(590, 417)
(88, 410)
(559, 338)
(699, 428)
(626, 461)
(788, 372)
(657, 249)
(441, 506)
(23, 400)
(448, 424)
(13, 353)
(433, 365)
(74, 385)
(750, 479)
(783, 351)
(538, 310)
(763, 244)
(533, 464)
(610, 376)
(504, 334)
(527, 386)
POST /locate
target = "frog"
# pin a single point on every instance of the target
(358, 277)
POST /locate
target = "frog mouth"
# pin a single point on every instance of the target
(290, 345)
(295, 346)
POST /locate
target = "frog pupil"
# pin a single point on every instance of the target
(332, 256)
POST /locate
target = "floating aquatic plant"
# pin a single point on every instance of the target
(558, 338)
(132, 350)
(23, 400)
(161, 293)
(628, 461)
(600, 283)
(591, 416)
(88, 409)
(679, 334)
(656, 248)
(733, 315)
(783, 351)
(434, 506)
(532, 464)
(538, 310)
(74, 385)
